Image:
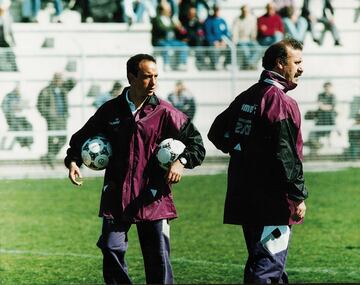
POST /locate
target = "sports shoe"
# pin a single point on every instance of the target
(337, 43)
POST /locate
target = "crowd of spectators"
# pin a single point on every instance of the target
(185, 18)
(178, 25)
(181, 26)
(188, 27)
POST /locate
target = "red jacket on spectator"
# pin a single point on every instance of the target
(269, 24)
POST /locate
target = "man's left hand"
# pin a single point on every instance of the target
(175, 172)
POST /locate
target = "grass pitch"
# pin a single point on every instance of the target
(48, 231)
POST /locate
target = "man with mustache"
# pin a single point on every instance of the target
(136, 189)
(266, 191)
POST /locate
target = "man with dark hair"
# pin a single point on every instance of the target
(266, 191)
(136, 189)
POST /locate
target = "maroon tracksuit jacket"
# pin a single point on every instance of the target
(134, 185)
(261, 132)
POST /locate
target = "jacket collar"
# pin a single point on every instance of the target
(150, 100)
(277, 80)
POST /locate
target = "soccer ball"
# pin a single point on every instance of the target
(168, 151)
(95, 152)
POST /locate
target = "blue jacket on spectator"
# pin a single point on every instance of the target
(215, 27)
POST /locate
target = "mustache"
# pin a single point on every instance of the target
(298, 74)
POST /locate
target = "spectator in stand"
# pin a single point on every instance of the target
(244, 31)
(327, 102)
(216, 33)
(142, 6)
(325, 116)
(182, 99)
(52, 104)
(270, 27)
(7, 41)
(174, 5)
(12, 106)
(320, 11)
(99, 11)
(104, 97)
(134, 10)
(164, 30)
(201, 6)
(193, 35)
(295, 25)
(31, 8)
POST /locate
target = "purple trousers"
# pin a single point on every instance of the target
(262, 266)
(155, 246)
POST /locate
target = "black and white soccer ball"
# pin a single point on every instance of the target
(168, 151)
(96, 152)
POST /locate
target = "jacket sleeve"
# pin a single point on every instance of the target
(194, 151)
(218, 133)
(209, 34)
(289, 162)
(92, 127)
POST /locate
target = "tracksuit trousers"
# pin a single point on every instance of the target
(266, 256)
(155, 246)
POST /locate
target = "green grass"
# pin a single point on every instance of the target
(48, 232)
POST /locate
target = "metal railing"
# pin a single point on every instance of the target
(213, 89)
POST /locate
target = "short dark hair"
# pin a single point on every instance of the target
(117, 85)
(327, 83)
(279, 51)
(132, 65)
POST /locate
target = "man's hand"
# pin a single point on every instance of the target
(75, 174)
(300, 209)
(175, 172)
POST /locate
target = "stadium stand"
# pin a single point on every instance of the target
(95, 55)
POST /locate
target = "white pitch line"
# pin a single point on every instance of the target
(40, 253)
(349, 270)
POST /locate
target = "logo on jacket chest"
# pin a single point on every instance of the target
(251, 109)
(114, 122)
